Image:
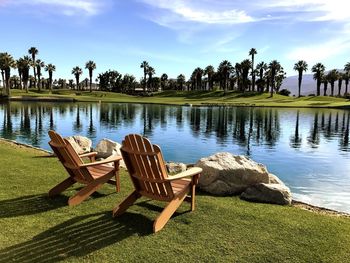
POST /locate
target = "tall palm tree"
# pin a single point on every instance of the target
(26, 63)
(150, 71)
(209, 71)
(39, 65)
(163, 81)
(90, 65)
(145, 66)
(274, 68)
(253, 52)
(77, 71)
(6, 63)
(50, 68)
(225, 69)
(33, 51)
(261, 67)
(300, 66)
(198, 73)
(318, 70)
(180, 81)
(332, 77)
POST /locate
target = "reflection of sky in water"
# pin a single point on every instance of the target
(315, 166)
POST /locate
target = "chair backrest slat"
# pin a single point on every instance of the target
(146, 166)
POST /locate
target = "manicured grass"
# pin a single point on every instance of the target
(35, 228)
(198, 98)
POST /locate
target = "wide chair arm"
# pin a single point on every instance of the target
(114, 159)
(188, 173)
(90, 155)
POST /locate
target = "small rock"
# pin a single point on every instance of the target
(106, 148)
(174, 168)
(80, 144)
(268, 193)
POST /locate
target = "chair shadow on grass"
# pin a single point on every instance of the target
(77, 237)
(30, 204)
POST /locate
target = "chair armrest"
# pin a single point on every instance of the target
(87, 154)
(108, 160)
(190, 172)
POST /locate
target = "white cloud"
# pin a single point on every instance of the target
(65, 7)
(316, 53)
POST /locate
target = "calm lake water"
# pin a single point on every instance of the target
(307, 148)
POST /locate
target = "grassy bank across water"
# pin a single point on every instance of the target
(35, 228)
(193, 98)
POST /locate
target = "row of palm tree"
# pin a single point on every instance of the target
(240, 77)
(321, 77)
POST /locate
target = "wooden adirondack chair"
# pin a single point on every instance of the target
(92, 174)
(147, 170)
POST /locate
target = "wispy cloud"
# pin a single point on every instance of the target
(65, 7)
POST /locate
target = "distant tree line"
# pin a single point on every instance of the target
(241, 77)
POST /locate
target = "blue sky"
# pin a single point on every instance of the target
(175, 36)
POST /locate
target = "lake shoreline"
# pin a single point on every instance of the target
(202, 104)
(295, 203)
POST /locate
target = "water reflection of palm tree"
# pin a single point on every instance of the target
(344, 142)
(77, 124)
(295, 141)
(91, 129)
(314, 138)
(7, 126)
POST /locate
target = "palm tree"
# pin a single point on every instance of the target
(274, 68)
(209, 71)
(150, 71)
(245, 67)
(253, 52)
(20, 71)
(225, 69)
(39, 64)
(50, 68)
(198, 73)
(90, 65)
(332, 77)
(145, 66)
(163, 80)
(318, 70)
(77, 71)
(181, 80)
(6, 63)
(325, 84)
(261, 67)
(346, 76)
(33, 51)
(26, 62)
(340, 82)
(300, 66)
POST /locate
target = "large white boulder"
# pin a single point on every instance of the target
(268, 193)
(80, 143)
(228, 174)
(106, 148)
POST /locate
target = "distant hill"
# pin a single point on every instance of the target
(308, 85)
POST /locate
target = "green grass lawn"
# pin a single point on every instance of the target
(198, 98)
(35, 228)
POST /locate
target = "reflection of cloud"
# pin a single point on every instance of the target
(65, 7)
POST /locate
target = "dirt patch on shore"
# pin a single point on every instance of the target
(319, 210)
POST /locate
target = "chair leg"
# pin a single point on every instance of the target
(168, 211)
(62, 186)
(123, 206)
(117, 182)
(193, 196)
(87, 191)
